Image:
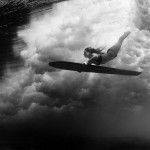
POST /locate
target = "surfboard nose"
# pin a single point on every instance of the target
(52, 64)
(58, 64)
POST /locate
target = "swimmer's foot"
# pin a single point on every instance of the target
(124, 35)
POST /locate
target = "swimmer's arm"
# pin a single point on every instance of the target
(92, 60)
(99, 50)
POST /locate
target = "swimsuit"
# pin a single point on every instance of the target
(99, 60)
(112, 51)
(100, 57)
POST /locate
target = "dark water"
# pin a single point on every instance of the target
(15, 14)
(77, 143)
(11, 16)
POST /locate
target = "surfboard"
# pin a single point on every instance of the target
(72, 66)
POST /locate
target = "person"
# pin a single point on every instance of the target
(97, 57)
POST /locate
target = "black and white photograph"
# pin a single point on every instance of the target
(74, 74)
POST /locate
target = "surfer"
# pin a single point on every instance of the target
(97, 57)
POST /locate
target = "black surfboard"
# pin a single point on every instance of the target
(91, 68)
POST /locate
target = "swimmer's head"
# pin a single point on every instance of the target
(88, 52)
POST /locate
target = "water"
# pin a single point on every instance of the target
(38, 102)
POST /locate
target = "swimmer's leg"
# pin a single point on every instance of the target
(113, 51)
(122, 38)
(115, 48)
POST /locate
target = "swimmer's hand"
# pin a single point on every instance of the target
(85, 63)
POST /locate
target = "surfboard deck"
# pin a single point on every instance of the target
(91, 68)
